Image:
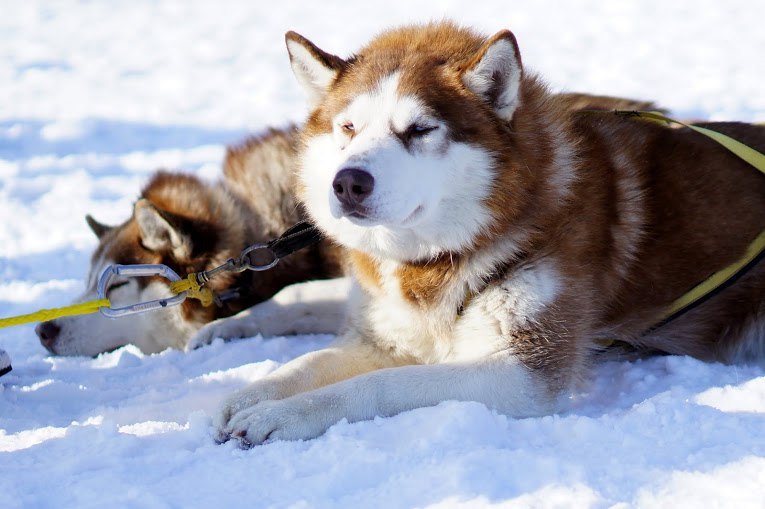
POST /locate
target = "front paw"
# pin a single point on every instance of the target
(290, 419)
(238, 402)
(225, 328)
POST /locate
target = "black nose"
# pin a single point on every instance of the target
(352, 186)
(47, 332)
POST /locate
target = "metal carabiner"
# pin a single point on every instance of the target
(138, 271)
(246, 264)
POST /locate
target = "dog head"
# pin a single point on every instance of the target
(417, 145)
(178, 221)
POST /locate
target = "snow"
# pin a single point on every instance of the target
(96, 95)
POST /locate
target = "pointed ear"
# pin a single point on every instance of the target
(315, 69)
(99, 229)
(495, 73)
(158, 231)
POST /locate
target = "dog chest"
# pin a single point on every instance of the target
(460, 325)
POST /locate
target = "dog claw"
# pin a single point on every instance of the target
(222, 438)
(243, 442)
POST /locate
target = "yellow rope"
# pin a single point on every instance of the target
(194, 289)
(190, 285)
(49, 314)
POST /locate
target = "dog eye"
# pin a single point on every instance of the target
(115, 286)
(347, 127)
(416, 130)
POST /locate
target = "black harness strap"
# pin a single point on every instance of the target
(297, 237)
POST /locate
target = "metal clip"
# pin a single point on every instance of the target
(138, 271)
(244, 259)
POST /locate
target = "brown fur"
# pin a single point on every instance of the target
(261, 172)
(257, 206)
(576, 101)
(423, 283)
(366, 270)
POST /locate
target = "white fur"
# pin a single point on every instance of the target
(427, 200)
(94, 333)
(500, 59)
(630, 202)
(501, 382)
(751, 349)
(313, 307)
(152, 332)
(469, 359)
(499, 310)
(564, 163)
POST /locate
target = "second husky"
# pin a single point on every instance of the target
(191, 226)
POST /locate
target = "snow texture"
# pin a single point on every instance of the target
(96, 95)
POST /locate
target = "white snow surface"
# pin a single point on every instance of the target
(97, 95)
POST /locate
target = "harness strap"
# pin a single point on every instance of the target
(299, 236)
(717, 282)
(745, 152)
(755, 252)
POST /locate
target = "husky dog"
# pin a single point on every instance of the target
(191, 226)
(494, 237)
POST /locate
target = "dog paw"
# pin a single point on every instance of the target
(268, 421)
(238, 402)
(226, 328)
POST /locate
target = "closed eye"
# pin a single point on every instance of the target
(115, 286)
(417, 130)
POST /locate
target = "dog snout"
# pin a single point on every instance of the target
(48, 333)
(352, 186)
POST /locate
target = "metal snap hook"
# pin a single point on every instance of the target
(138, 271)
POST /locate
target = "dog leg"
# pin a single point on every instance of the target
(313, 307)
(501, 382)
(342, 360)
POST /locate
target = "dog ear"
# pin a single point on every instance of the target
(495, 73)
(99, 229)
(159, 230)
(315, 69)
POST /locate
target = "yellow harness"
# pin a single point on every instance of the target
(753, 253)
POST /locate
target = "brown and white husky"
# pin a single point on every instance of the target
(190, 226)
(494, 238)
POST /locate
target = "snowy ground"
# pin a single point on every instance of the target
(97, 95)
